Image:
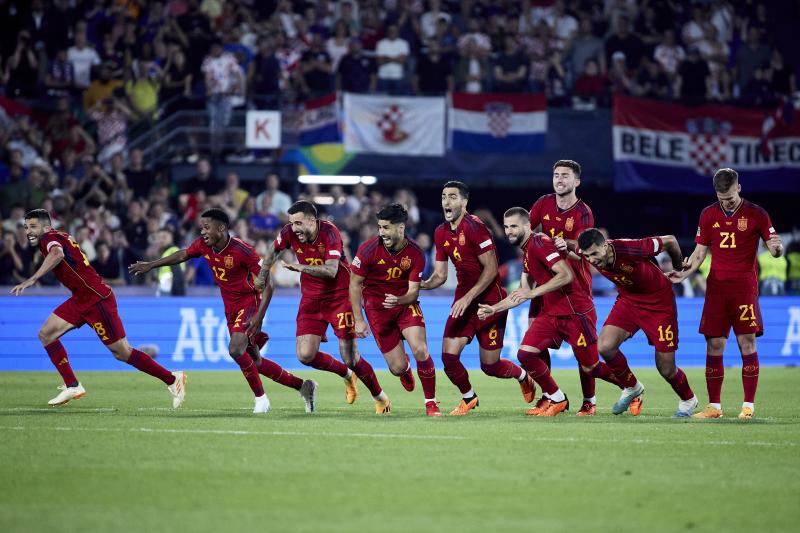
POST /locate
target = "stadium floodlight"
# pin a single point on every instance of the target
(336, 180)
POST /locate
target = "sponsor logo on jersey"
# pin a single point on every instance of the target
(299, 250)
(381, 262)
(546, 217)
(228, 261)
(447, 243)
(741, 224)
(716, 225)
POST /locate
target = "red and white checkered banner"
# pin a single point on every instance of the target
(671, 147)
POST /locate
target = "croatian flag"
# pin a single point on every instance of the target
(511, 123)
(319, 121)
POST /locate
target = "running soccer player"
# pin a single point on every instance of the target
(465, 240)
(563, 215)
(324, 286)
(387, 271)
(730, 228)
(518, 231)
(646, 301)
(235, 265)
(92, 302)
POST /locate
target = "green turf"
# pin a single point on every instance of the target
(118, 460)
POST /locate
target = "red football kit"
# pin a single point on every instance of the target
(386, 272)
(568, 314)
(567, 224)
(732, 290)
(92, 301)
(463, 245)
(646, 300)
(323, 301)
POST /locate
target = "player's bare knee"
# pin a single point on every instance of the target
(665, 367)
(305, 356)
(237, 350)
(45, 337)
(607, 348)
(398, 369)
(747, 344)
(420, 353)
(588, 369)
(121, 352)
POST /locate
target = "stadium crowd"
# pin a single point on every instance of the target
(78, 78)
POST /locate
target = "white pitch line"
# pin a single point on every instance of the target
(57, 408)
(577, 440)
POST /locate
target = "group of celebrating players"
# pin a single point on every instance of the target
(385, 278)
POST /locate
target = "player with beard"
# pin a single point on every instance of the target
(235, 265)
(464, 239)
(324, 286)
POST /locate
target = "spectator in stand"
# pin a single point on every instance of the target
(781, 76)
(693, 79)
(433, 76)
(510, 69)
(338, 45)
(626, 42)
(101, 88)
(430, 19)
(83, 57)
(22, 69)
(621, 78)
(669, 54)
(585, 47)
(232, 197)
(694, 31)
(317, 69)
(176, 86)
(264, 76)
(716, 54)
(392, 56)
(140, 179)
(204, 180)
(472, 72)
(106, 264)
(60, 78)
(475, 39)
(564, 25)
(356, 72)
(590, 87)
(142, 90)
(263, 224)
(223, 80)
(10, 260)
(279, 201)
(111, 116)
(651, 82)
(649, 29)
(750, 57)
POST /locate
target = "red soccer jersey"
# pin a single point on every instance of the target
(734, 240)
(233, 266)
(74, 271)
(540, 256)
(327, 245)
(385, 272)
(567, 224)
(463, 246)
(635, 274)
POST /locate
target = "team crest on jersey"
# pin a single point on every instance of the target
(321, 249)
(228, 261)
(405, 263)
(741, 224)
(569, 224)
(626, 268)
(461, 239)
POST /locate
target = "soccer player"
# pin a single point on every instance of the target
(563, 215)
(387, 271)
(324, 286)
(235, 265)
(646, 301)
(465, 240)
(517, 227)
(92, 302)
(731, 228)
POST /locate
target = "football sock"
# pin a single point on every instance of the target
(456, 371)
(144, 363)
(558, 396)
(250, 373)
(470, 394)
(715, 374)
(427, 377)
(538, 370)
(324, 361)
(58, 356)
(367, 376)
(503, 369)
(603, 371)
(681, 385)
(592, 400)
(750, 370)
(522, 375)
(619, 366)
(276, 373)
(587, 383)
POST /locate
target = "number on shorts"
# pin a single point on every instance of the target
(346, 319)
(393, 273)
(622, 280)
(100, 329)
(493, 332)
(415, 310)
(219, 273)
(745, 309)
(75, 244)
(665, 334)
(314, 261)
(238, 318)
(727, 236)
(581, 341)
(456, 255)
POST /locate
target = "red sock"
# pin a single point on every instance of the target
(457, 372)
(587, 383)
(250, 372)
(503, 369)
(681, 385)
(276, 373)
(750, 376)
(619, 366)
(58, 356)
(603, 371)
(325, 361)
(545, 356)
(538, 370)
(144, 363)
(427, 377)
(367, 376)
(715, 374)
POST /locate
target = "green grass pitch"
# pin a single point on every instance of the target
(120, 460)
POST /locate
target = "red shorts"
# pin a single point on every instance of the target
(578, 330)
(387, 325)
(659, 325)
(103, 317)
(731, 305)
(313, 317)
(238, 313)
(489, 332)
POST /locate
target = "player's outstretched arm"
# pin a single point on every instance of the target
(53, 258)
(411, 296)
(254, 325)
(567, 246)
(143, 267)
(356, 285)
(438, 277)
(326, 271)
(690, 264)
(266, 266)
(673, 248)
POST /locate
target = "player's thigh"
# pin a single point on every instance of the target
(307, 346)
(103, 317)
(458, 332)
(310, 320)
(541, 335)
(238, 344)
(490, 332)
(611, 338)
(746, 342)
(54, 327)
(580, 334)
(661, 329)
(396, 359)
(417, 341)
(339, 314)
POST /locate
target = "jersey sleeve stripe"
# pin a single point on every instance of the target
(484, 244)
(552, 256)
(656, 245)
(53, 244)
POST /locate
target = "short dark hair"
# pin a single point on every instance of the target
(41, 214)
(521, 211)
(590, 237)
(724, 179)
(394, 213)
(215, 213)
(569, 163)
(463, 190)
(303, 206)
